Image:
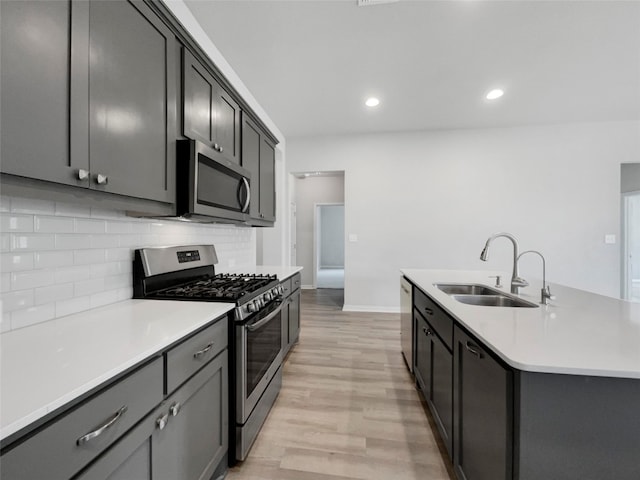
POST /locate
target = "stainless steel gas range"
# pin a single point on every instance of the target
(255, 334)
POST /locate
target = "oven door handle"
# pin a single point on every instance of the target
(255, 326)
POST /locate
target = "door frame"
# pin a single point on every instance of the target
(317, 238)
(625, 272)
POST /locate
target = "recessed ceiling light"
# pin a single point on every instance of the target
(495, 93)
(372, 102)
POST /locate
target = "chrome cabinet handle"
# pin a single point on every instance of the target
(245, 207)
(405, 290)
(101, 429)
(161, 422)
(200, 353)
(427, 331)
(474, 350)
(428, 311)
(174, 409)
(102, 179)
(216, 147)
(221, 149)
(83, 174)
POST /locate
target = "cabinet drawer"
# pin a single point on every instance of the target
(194, 353)
(291, 284)
(67, 445)
(437, 318)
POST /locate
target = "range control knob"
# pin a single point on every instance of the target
(251, 307)
(258, 303)
(280, 289)
(267, 297)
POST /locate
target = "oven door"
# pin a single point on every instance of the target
(258, 357)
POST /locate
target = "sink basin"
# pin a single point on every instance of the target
(467, 289)
(493, 301)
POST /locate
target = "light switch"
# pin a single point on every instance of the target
(610, 239)
(353, 237)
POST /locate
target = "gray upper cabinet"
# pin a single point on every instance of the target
(210, 114)
(89, 96)
(258, 156)
(35, 95)
(132, 101)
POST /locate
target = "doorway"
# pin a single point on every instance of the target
(631, 246)
(329, 245)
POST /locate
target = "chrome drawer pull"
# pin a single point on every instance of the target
(474, 350)
(427, 331)
(174, 409)
(200, 353)
(100, 430)
(428, 311)
(161, 422)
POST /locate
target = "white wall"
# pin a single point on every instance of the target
(309, 192)
(58, 258)
(431, 199)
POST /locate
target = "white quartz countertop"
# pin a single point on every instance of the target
(281, 272)
(45, 366)
(578, 333)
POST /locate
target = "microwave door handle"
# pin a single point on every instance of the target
(246, 203)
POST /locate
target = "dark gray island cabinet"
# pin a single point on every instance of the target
(500, 422)
(166, 420)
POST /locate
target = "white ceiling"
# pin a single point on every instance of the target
(311, 64)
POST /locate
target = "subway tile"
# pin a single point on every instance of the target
(112, 268)
(140, 227)
(118, 281)
(73, 305)
(5, 203)
(105, 241)
(5, 242)
(119, 255)
(129, 240)
(72, 274)
(118, 227)
(88, 287)
(32, 315)
(5, 282)
(45, 224)
(53, 259)
(72, 241)
(71, 210)
(101, 213)
(89, 256)
(87, 225)
(32, 205)
(124, 293)
(14, 262)
(104, 298)
(5, 322)
(33, 241)
(16, 300)
(11, 222)
(53, 293)
(32, 279)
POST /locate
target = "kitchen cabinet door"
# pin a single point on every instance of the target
(38, 74)
(251, 162)
(195, 438)
(267, 181)
(294, 317)
(211, 115)
(483, 412)
(132, 101)
(434, 372)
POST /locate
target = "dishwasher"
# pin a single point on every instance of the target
(406, 322)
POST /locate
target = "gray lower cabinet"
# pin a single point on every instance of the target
(434, 372)
(90, 100)
(483, 412)
(210, 114)
(185, 438)
(291, 312)
(258, 157)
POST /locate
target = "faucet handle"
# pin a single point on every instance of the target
(545, 294)
(519, 282)
(497, 277)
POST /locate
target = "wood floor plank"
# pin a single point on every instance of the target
(348, 408)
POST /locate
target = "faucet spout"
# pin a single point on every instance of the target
(516, 281)
(545, 293)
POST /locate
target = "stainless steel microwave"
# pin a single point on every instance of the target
(210, 187)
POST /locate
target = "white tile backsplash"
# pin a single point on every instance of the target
(60, 258)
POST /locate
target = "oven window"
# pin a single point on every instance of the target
(263, 346)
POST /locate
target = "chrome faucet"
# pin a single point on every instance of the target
(545, 293)
(516, 281)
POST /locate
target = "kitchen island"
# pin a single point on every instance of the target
(530, 393)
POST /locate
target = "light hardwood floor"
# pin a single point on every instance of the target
(348, 408)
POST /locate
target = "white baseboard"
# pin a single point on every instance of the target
(370, 308)
(308, 287)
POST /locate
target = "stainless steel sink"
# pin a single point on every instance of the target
(477, 294)
(493, 301)
(467, 289)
